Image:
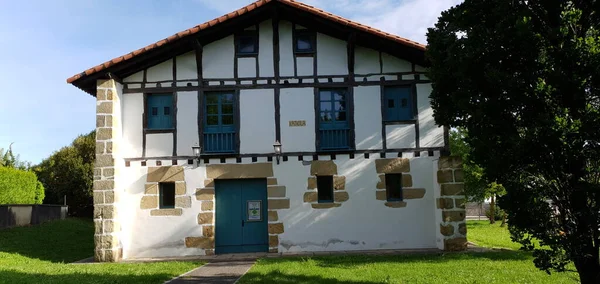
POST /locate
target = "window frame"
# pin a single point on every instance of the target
(329, 181)
(333, 125)
(388, 189)
(161, 195)
(246, 34)
(206, 129)
(412, 105)
(312, 36)
(148, 113)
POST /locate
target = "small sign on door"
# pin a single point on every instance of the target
(254, 210)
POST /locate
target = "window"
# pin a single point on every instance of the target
(333, 119)
(393, 187)
(219, 123)
(246, 43)
(166, 195)
(304, 41)
(325, 189)
(398, 104)
(159, 113)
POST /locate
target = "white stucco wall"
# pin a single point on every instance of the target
(246, 67)
(401, 136)
(305, 66)
(159, 72)
(395, 64)
(332, 56)
(159, 145)
(362, 222)
(366, 60)
(217, 58)
(186, 66)
(349, 227)
(187, 122)
(297, 104)
(257, 125)
(265, 49)
(429, 133)
(367, 117)
(286, 53)
(132, 111)
(136, 77)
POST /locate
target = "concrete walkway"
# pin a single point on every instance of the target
(224, 272)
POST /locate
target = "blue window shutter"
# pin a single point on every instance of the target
(398, 104)
(219, 123)
(160, 111)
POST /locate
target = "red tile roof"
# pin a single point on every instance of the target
(236, 13)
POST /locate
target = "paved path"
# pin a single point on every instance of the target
(223, 272)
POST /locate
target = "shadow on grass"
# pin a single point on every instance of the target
(352, 261)
(279, 277)
(78, 278)
(56, 241)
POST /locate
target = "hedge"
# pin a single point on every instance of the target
(20, 187)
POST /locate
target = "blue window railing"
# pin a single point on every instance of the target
(334, 130)
(219, 123)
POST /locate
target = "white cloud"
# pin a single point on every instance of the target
(406, 18)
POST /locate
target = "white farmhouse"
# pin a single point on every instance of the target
(276, 128)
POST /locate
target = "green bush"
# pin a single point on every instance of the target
(498, 214)
(20, 187)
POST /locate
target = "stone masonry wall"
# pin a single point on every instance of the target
(452, 203)
(107, 229)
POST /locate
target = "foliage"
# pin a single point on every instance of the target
(498, 214)
(42, 254)
(69, 172)
(10, 160)
(20, 187)
(522, 78)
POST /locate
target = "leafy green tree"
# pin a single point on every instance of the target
(477, 187)
(522, 77)
(10, 160)
(68, 173)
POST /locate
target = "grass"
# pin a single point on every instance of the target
(489, 235)
(510, 266)
(41, 254)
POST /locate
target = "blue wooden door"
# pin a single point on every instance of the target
(241, 217)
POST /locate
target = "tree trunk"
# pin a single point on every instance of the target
(588, 269)
(503, 220)
(493, 210)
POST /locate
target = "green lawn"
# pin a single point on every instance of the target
(489, 235)
(41, 254)
(489, 267)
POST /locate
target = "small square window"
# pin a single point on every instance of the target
(166, 195)
(304, 42)
(393, 187)
(167, 111)
(246, 44)
(154, 111)
(325, 189)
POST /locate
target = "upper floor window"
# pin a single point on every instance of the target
(334, 128)
(220, 123)
(398, 104)
(304, 41)
(159, 112)
(246, 43)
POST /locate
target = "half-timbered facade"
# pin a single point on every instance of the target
(186, 129)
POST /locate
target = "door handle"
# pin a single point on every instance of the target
(242, 222)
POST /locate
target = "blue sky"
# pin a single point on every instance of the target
(42, 43)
